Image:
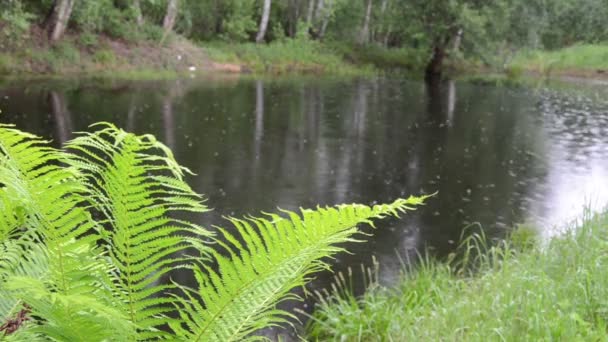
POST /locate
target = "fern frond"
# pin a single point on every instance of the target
(48, 195)
(239, 297)
(137, 185)
(49, 236)
(71, 317)
(12, 215)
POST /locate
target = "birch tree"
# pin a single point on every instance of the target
(364, 35)
(58, 20)
(326, 17)
(139, 17)
(263, 22)
(310, 12)
(170, 15)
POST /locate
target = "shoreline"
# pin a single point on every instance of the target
(521, 288)
(180, 57)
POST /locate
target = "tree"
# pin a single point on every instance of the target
(170, 16)
(139, 17)
(59, 17)
(263, 22)
(364, 34)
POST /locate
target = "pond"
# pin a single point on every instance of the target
(496, 155)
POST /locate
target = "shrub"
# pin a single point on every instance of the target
(88, 233)
(152, 32)
(88, 39)
(6, 64)
(14, 24)
(105, 56)
(66, 52)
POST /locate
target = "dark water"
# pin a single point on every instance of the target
(497, 156)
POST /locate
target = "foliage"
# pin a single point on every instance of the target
(510, 292)
(14, 24)
(579, 57)
(491, 32)
(285, 56)
(90, 234)
(105, 57)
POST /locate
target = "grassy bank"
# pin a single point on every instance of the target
(289, 56)
(86, 53)
(578, 60)
(518, 291)
(309, 56)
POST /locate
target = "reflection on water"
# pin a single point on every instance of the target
(497, 156)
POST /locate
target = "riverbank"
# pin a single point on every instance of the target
(90, 54)
(78, 54)
(309, 56)
(583, 61)
(517, 291)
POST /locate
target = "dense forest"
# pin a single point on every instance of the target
(489, 31)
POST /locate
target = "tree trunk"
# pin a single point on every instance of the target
(58, 20)
(435, 65)
(387, 35)
(263, 22)
(319, 10)
(326, 18)
(311, 10)
(457, 40)
(381, 27)
(170, 16)
(294, 15)
(364, 35)
(139, 17)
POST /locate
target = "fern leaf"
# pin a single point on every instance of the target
(240, 296)
(51, 237)
(137, 185)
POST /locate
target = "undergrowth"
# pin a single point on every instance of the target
(286, 56)
(518, 290)
(584, 57)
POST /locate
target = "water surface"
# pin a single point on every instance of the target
(497, 156)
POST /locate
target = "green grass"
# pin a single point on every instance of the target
(382, 57)
(516, 291)
(577, 58)
(307, 56)
(288, 56)
(6, 63)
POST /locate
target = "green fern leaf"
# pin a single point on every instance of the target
(240, 296)
(48, 233)
(137, 185)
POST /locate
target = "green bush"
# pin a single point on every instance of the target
(152, 32)
(14, 24)
(88, 39)
(105, 57)
(48, 59)
(6, 64)
(88, 235)
(66, 52)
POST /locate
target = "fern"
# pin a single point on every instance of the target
(280, 254)
(136, 189)
(106, 279)
(53, 214)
